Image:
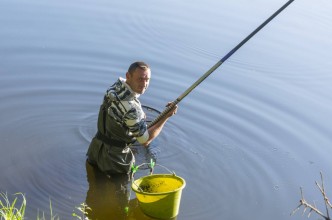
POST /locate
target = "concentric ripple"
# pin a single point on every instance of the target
(244, 140)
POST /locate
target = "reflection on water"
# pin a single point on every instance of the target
(244, 140)
(109, 196)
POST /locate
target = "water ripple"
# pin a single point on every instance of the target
(245, 139)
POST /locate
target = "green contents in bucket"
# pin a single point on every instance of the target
(159, 195)
(152, 188)
(159, 185)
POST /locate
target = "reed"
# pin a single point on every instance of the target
(11, 210)
(52, 216)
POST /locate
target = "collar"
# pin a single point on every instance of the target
(132, 93)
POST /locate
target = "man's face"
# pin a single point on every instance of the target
(139, 80)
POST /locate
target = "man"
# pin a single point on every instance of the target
(121, 121)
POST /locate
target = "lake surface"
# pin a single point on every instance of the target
(244, 140)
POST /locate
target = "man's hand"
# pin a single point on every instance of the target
(173, 110)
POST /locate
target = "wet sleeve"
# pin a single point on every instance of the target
(144, 138)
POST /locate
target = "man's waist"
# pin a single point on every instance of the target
(111, 141)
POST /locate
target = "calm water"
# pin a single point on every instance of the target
(245, 140)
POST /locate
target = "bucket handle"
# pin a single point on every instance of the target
(151, 168)
(151, 165)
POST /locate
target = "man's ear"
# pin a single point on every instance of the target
(127, 75)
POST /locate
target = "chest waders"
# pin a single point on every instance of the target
(109, 154)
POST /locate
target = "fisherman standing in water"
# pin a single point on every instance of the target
(121, 121)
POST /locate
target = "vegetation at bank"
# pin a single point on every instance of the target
(15, 209)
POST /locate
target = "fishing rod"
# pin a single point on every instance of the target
(213, 68)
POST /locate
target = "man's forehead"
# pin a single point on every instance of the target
(143, 73)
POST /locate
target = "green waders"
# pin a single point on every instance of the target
(110, 155)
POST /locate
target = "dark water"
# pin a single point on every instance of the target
(245, 140)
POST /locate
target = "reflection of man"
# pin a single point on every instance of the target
(109, 197)
(121, 121)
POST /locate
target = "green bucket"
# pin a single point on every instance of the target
(159, 195)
